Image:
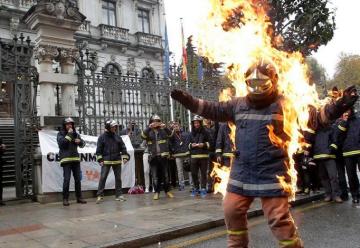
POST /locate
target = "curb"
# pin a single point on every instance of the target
(185, 230)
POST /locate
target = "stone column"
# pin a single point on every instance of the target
(46, 55)
(68, 90)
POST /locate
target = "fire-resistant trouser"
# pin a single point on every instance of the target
(329, 177)
(196, 164)
(350, 163)
(276, 210)
(105, 169)
(160, 173)
(340, 165)
(73, 167)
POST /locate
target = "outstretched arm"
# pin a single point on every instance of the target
(217, 111)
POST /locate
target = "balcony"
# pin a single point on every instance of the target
(149, 40)
(18, 4)
(85, 28)
(114, 33)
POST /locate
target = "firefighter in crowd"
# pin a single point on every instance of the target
(258, 161)
(212, 129)
(224, 145)
(157, 136)
(199, 153)
(111, 153)
(349, 129)
(179, 144)
(68, 141)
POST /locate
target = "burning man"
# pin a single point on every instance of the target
(258, 162)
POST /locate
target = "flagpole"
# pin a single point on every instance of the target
(186, 76)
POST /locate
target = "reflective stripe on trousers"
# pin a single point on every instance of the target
(276, 210)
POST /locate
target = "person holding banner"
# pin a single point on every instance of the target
(111, 152)
(68, 141)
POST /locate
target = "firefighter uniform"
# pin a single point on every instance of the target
(70, 160)
(224, 146)
(258, 161)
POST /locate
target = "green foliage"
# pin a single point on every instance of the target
(347, 71)
(304, 25)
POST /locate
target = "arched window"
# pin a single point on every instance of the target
(112, 68)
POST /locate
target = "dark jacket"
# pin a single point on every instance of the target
(197, 136)
(350, 132)
(258, 163)
(324, 140)
(163, 135)
(68, 151)
(179, 144)
(224, 146)
(111, 149)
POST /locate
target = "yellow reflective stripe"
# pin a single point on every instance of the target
(324, 156)
(143, 135)
(342, 128)
(351, 153)
(218, 150)
(228, 154)
(71, 159)
(181, 154)
(68, 138)
(162, 141)
(149, 142)
(190, 146)
(335, 146)
(165, 154)
(288, 242)
(207, 144)
(200, 156)
(99, 157)
(237, 232)
(311, 131)
(112, 162)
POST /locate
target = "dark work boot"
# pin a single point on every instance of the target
(66, 202)
(81, 201)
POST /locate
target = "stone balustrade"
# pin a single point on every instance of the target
(23, 4)
(114, 33)
(85, 27)
(149, 40)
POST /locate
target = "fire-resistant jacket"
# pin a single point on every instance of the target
(324, 140)
(111, 149)
(199, 135)
(68, 149)
(163, 136)
(258, 162)
(224, 145)
(350, 132)
(179, 144)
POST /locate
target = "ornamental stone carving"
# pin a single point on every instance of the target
(67, 55)
(46, 53)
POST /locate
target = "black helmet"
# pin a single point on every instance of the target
(261, 79)
(154, 118)
(110, 123)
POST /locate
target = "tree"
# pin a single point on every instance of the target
(347, 71)
(297, 25)
(317, 75)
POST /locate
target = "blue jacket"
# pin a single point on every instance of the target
(350, 130)
(179, 144)
(325, 144)
(110, 149)
(68, 152)
(258, 162)
(224, 145)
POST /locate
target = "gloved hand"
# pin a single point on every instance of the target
(343, 104)
(185, 99)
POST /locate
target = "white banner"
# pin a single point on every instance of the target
(52, 172)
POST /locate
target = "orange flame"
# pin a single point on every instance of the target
(238, 33)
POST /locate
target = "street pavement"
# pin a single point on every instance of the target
(137, 222)
(321, 225)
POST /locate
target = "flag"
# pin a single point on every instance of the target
(166, 55)
(184, 74)
(200, 69)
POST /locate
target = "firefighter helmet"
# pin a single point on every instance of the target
(197, 118)
(110, 123)
(261, 78)
(154, 118)
(69, 120)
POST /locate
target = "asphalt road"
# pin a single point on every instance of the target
(321, 225)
